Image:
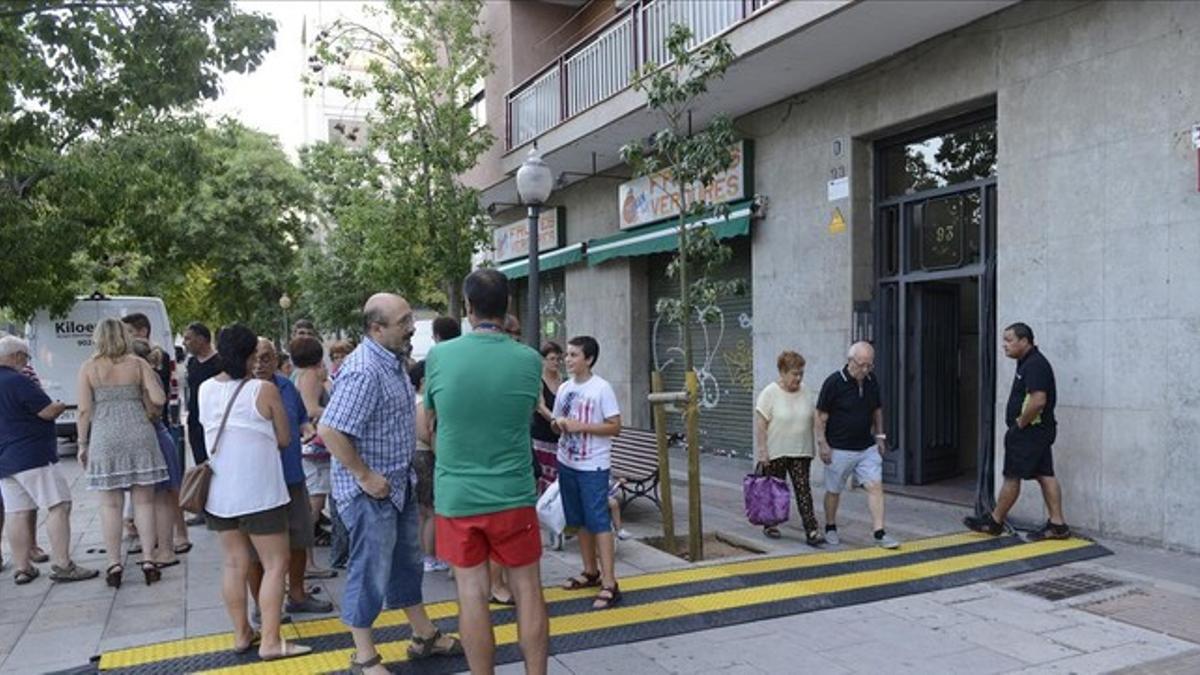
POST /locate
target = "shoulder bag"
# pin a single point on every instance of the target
(193, 492)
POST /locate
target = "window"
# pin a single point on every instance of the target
(960, 156)
(478, 106)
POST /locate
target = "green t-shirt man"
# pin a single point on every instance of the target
(483, 387)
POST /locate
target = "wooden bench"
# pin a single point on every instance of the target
(635, 460)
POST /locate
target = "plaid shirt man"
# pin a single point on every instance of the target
(373, 403)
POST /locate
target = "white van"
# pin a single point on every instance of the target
(422, 339)
(60, 346)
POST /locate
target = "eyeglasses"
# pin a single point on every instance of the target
(867, 365)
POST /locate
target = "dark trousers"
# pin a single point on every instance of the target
(798, 469)
(195, 434)
(339, 544)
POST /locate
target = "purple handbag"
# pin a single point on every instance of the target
(767, 499)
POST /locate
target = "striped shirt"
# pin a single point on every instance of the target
(373, 404)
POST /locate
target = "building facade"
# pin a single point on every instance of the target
(918, 174)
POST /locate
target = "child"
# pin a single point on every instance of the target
(586, 417)
(614, 509)
(423, 465)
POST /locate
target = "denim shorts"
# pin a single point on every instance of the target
(385, 565)
(585, 499)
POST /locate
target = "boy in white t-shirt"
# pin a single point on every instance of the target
(586, 417)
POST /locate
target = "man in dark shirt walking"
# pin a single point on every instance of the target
(204, 364)
(850, 439)
(1027, 443)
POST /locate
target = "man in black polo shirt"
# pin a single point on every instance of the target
(850, 438)
(1031, 433)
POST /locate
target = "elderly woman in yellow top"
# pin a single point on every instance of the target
(783, 426)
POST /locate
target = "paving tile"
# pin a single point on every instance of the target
(1010, 640)
(47, 650)
(144, 619)
(977, 661)
(1004, 609)
(925, 611)
(1155, 609)
(1187, 663)
(1110, 659)
(788, 652)
(1095, 636)
(618, 659)
(207, 621)
(55, 617)
(9, 634)
(553, 667)
(138, 639)
(79, 592)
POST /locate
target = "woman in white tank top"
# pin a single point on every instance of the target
(247, 498)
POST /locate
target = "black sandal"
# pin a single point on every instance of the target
(421, 648)
(150, 572)
(22, 577)
(582, 580)
(357, 668)
(113, 575)
(614, 596)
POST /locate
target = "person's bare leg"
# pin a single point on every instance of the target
(112, 503)
(500, 589)
(587, 551)
(474, 619)
(254, 578)
(422, 626)
(181, 530)
(608, 570)
(58, 524)
(364, 650)
(1009, 491)
(533, 627)
(19, 540)
(875, 503)
(1052, 494)
(831, 507)
(32, 516)
(164, 523)
(297, 559)
(235, 549)
(144, 517)
(273, 552)
(427, 532)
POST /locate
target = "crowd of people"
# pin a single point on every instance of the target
(422, 466)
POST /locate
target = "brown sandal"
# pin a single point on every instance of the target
(423, 647)
(582, 580)
(602, 602)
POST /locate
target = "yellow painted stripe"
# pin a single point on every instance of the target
(710, 602)
(125, 658)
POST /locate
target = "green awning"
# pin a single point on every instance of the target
(664, 236)
(516, 269)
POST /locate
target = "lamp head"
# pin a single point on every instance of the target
(285, 302)
(534, 179)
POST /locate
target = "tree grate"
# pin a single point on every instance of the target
(1069, 586)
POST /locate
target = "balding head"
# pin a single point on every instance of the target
(388, 320)
(266, 359)
(860, 360)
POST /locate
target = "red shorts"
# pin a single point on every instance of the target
(511, 538)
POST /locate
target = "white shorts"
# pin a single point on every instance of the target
(40, 488)
(316, 476)
(867, 465)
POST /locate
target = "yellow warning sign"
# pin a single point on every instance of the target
(837, 224)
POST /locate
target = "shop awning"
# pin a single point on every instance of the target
(516, 269)
(663, 236)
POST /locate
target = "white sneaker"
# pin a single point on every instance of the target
(430, 564)
(440, 565)
(887, 541)
(624, 534)
(832, 538)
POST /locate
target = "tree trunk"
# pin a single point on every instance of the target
(692, 412)
(454, 299)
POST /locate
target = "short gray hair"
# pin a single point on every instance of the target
(858, 347)
(11, 344)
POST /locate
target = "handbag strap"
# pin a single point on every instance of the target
(225, 417)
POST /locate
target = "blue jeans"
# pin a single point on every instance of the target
(385, 558)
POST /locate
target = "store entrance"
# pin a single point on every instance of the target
(934, 308)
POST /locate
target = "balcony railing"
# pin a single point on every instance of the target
(601, 64)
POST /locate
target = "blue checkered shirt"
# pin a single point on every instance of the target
(373, 403)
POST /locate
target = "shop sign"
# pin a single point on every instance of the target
(655, 197)
(512, 241)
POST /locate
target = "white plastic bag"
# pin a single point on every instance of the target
(550, 510)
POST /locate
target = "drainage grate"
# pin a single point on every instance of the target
(1069, 587)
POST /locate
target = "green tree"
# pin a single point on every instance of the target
(422, 72)
(688, 158)
(75, 73)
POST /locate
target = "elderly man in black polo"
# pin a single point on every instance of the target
(850, 438)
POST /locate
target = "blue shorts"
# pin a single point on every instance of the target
(385, 558)
(585, 499)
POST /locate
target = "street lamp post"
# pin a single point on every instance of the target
(534, 181)
(285, 303)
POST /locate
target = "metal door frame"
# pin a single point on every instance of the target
(892, 320)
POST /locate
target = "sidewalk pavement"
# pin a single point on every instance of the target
(1148, 624)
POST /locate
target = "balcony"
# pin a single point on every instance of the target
(601, 65)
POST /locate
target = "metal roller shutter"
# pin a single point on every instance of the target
(722, 352)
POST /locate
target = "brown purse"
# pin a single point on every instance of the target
(193, 492)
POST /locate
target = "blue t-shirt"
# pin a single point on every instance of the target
(26, 440)
(293, 468)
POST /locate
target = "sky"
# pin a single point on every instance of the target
(271, 99)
